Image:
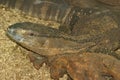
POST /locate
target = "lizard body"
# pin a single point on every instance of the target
(81, 30)
(87, 30)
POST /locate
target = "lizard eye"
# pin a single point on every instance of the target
(31, 34)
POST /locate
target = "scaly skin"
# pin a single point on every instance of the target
(111, 2)
(81, 30)
(85, 66)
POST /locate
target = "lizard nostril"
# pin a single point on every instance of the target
(10, 30)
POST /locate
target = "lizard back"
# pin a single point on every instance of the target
(47, 10)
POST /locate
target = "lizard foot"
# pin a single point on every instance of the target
(37, 60)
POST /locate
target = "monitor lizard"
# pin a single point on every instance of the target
(81, 30)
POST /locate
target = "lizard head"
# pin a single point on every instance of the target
(40, 39)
